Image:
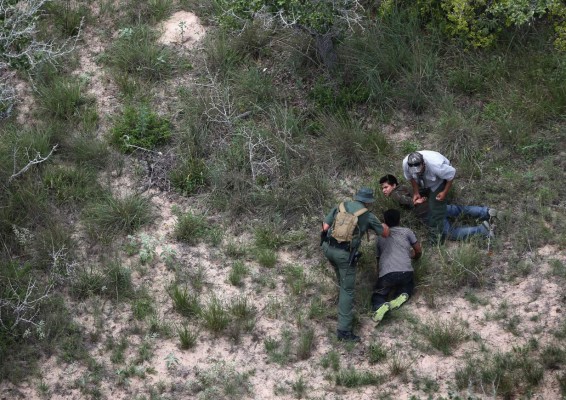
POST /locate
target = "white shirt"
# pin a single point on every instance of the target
(437, 170)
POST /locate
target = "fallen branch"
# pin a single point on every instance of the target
(37, 160)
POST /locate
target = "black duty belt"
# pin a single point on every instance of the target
(343, 246)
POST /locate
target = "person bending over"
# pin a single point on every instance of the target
(394, 254)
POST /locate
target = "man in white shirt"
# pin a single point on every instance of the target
(432, 173)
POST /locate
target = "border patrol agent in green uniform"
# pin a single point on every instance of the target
(342, 256)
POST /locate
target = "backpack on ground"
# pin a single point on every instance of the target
(345, 224)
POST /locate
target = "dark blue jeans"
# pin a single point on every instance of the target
(392, 284)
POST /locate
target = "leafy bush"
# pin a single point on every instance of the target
(140, 127)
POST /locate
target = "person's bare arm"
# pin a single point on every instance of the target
(418, 251)
(442, 195)
(416, 194)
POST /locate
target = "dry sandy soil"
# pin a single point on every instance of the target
(535, 295)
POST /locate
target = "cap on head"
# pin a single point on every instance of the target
(365, 195)
(414, 159)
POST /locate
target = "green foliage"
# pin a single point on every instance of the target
(185, 303)
(279, 351)
(352, 378)
(188, 338)
(479, 24)
(140, 127)
(265, 257)
(87, 150)
(319, 16)
(64, 98)
(306, 343)
(112, 216)
(391, 63)
(111, 280)
(444, 335)
(189, 175)
(67, 16)
(71, 186)
(142, 305)
(136, 52)
(376, 353)
(506, 374)
(221, 381)
(191, 228)
(148, 12)
(362, 147)
(215, 315)
(238, 271)
(331, 360)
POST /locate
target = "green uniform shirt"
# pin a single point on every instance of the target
(365, 221)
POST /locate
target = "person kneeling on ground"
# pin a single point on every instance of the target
(404, 197)
(394, 255)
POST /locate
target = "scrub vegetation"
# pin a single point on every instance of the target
(159, 236)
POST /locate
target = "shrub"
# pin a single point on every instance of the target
(140, 128)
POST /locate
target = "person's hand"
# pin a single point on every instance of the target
(385, 230)
(417, 198)
(441, 196)
(420, 201)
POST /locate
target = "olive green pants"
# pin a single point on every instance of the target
(436, 216)
(346, 279)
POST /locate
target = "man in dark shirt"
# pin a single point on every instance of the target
(404, 197)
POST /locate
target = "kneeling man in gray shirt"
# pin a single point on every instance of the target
(394, 253)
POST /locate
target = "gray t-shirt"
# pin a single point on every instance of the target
(394, 251)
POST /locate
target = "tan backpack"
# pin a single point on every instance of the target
(345, 224)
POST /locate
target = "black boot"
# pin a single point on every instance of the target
(347, 336)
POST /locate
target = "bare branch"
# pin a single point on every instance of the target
(21, 307)
(37, 160)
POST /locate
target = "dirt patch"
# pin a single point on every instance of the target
(183, 28)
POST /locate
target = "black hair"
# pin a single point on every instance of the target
(389, 179)
(392, 217)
